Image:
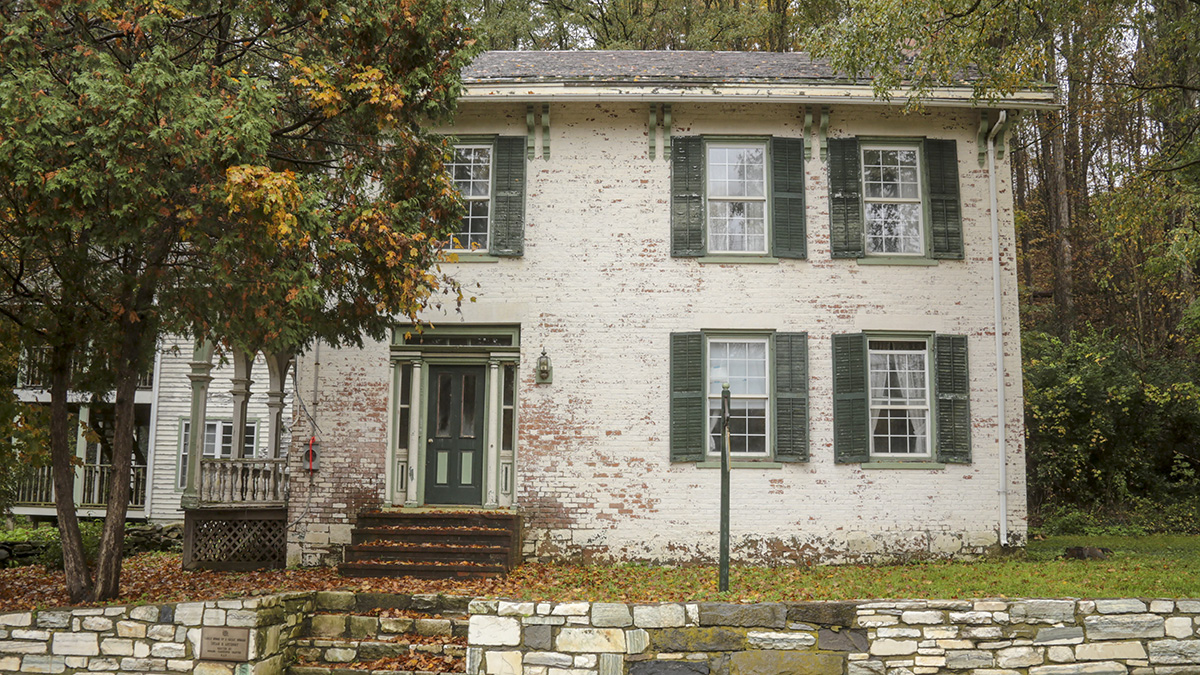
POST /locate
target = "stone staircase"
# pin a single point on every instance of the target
(433, 544)
(356, 633)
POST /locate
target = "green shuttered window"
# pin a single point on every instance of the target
(768, 378)
(737, 197)
(508, 203)
(894, 199)
(901, 397)
(490, 174)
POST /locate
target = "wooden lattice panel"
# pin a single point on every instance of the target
(229, 539)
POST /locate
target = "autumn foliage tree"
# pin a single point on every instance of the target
(253, 171)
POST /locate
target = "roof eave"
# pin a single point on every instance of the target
(749, 92)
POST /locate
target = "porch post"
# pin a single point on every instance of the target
(201, 366)
(494, 410)
(277, 368)
(243, 362)
(416, 453)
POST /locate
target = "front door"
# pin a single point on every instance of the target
(454, 457)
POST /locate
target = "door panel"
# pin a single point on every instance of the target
(454, 457)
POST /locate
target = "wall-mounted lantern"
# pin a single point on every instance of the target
(545, 372)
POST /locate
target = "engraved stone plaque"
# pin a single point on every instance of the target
(224, 644)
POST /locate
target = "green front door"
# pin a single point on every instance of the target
(454, 457)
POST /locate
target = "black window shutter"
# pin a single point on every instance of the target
(791, 397)
(508, 199)
(845, 199)
(688, 409)
(687, 196)
(945, 210)
(789, 239)
(851, 415)
(952, 385)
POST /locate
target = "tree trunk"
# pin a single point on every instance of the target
(79, 580)
(112, 540)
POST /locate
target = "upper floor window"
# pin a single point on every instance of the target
(892, 200)
(472, 172)
(899, 381)
(737, 198)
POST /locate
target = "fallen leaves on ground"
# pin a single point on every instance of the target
(1142, 567)
(437, 663)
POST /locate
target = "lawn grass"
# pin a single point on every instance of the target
(1150, 566)
(1157, 566)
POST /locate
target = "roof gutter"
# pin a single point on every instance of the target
(757, 92)
(1001, 419)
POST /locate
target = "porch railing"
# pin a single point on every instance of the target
(95, 485)
(238, 482)
(37, 488)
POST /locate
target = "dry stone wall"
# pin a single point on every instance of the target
(150, 638)
(914, 637)
(1128, 636)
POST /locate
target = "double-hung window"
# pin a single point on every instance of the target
(739, 197)
(489, 172)
(218, 443)
(742, 364)
(472, 172)
(899, 381)
(767, 374)
(901, 397)
(894, 199)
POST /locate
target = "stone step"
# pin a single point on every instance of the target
(440, 518)
(432, 604)
(417, 552)
(462, 536)
(384, 568)
(320, 651)
(342, 625)
(339, 670)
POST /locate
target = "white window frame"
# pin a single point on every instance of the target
(219, 427)
(927, 407)
(709, 146)
(919, 200)
(455, 243)
(714, 449)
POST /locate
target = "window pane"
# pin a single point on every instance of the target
(742, 364)
(405, 384)
(899, 431)
(467, 466)
(737, 226)
(894, 228)
(443, 467)
(467, 424)
(443, 405)
(747, 426)
(736, 171)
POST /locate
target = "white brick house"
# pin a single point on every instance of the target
(657, 224)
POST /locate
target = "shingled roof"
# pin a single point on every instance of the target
(648, 66)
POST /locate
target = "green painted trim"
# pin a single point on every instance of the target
(736, 138)
(915, 465)
(513, 331)
(891, 140)
(914, 261)
(735, 259)
(468, 257)
(472, 139)
(734, 464)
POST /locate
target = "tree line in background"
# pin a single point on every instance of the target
(1107, 195)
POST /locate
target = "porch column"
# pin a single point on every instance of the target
(277, 368)
(243, 362)
(416, 453)
(200, 377)
(495, 409)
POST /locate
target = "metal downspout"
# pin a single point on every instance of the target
(1001, 419)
